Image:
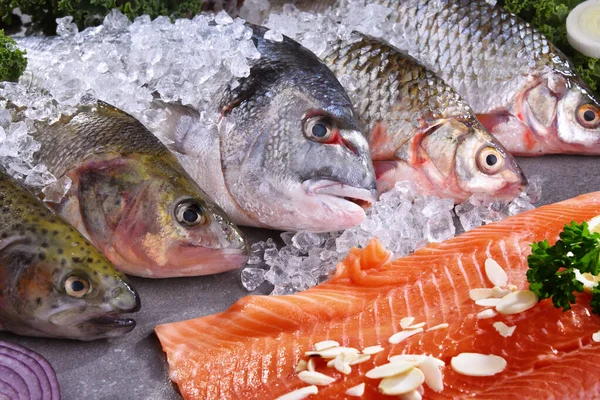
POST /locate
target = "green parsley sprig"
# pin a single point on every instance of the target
(551, 271)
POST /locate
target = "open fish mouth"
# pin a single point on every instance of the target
(365, 198)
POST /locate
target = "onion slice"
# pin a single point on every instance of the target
(25, 375)
(583, 30)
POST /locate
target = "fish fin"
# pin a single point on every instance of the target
(109, 110)
(178, 124)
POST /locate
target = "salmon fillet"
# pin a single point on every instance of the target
(251, 350)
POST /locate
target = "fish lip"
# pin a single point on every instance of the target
(113, 322)
(357, 195)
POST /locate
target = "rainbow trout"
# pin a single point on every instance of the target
(53, 281)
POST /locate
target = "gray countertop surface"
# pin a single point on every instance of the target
(134, 366)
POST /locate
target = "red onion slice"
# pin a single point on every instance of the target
(25, 375)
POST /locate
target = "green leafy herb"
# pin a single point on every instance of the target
(551, 271)
(12, 62)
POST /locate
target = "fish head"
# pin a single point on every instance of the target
(304, 164)
(563, 111)
(170, 227)
(65, 288)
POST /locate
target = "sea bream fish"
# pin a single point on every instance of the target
(131, 198)
(420, 129)
(524, 90)
(289, 153)
(53, 281)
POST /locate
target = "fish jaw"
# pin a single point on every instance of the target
(197, 261)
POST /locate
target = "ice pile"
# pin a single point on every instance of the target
(126, 63)
(402, 221)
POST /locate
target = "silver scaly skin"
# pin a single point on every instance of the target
(525, 91)
(420, 129)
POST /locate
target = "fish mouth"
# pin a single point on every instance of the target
(362, 197)
(192, 260)
(114, 322)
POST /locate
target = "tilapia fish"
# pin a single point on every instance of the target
(420, 128)
(54, 282)
(132, 199)
(289, 153)
(254, 349)
(525, 91)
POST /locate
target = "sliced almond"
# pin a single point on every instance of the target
(588, 280)
(412, 395)
(331, 352)
(491, 302)
(311, 364)
(372, 349)
(301, 366)
(495, 273)
(390, 369)
(512, 288)
(499, 293)
(403, 383)
(596, 337)
(406, 322)
(438, 327)
(331, 363)
(476, 364)
(300, 394)
(315, 378)
(356, 391)
(402, 335)
(517, 302)
(361, 358)
(416, 358)
(478, 294)
(325, 344)
(432, 373)
(503, 329)
(416, 326)
(485, 314)
(341, 365)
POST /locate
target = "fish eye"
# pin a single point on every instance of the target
(76, 286)
(490, 160)
(319, 129)
(189, 213)
(588, 116)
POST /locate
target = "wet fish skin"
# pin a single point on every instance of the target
(40, 256)
(421, 130)
(526, 91)
(264, 168)
(129, 195)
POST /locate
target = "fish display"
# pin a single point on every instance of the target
(420, 129)
(131, 198)
(54, 282)
(289, 153)
(524, 90)
(419, 308)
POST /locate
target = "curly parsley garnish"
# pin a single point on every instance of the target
(551, 271)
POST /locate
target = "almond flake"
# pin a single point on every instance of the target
(311, 364)
(390, 369)
(438, 327)
(361, 358)
(495, 273)
(403, 383)
(315, 378)
(475, 364)
(485, 314)
(406, 322)
(332, 352)
(416, 326)
(342, 366)
(372, 349)
(412, 395)
(356, 391)
(492, 302)
(512, 288)
(300, 394)
(596, 337)
(517, 302)
(301, 366)
(416, 358)
(478, 294)
(400, 336)
(499, 293)
(326, 344)
(503, 329)
(588, 280)
(331, 363)
(433, 376)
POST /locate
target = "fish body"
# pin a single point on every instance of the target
(524, 89)
(251, 351)
(288, 152)
(132, 199)
(53, 281)
(420, 129)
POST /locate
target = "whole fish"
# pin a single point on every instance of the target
(54, 282)
(132, 199)
(420, 128)
(288, 153)
(526, 92)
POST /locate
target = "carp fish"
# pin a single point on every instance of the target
(421, 130)
(53, 281)
(131, 198)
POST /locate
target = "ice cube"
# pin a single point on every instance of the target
(116, 21)
(345, 242)
(273, 36)
(305, 240)
(439, 227)
(252, 278)
(470, 220)
(54, 192)
(65, 26)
